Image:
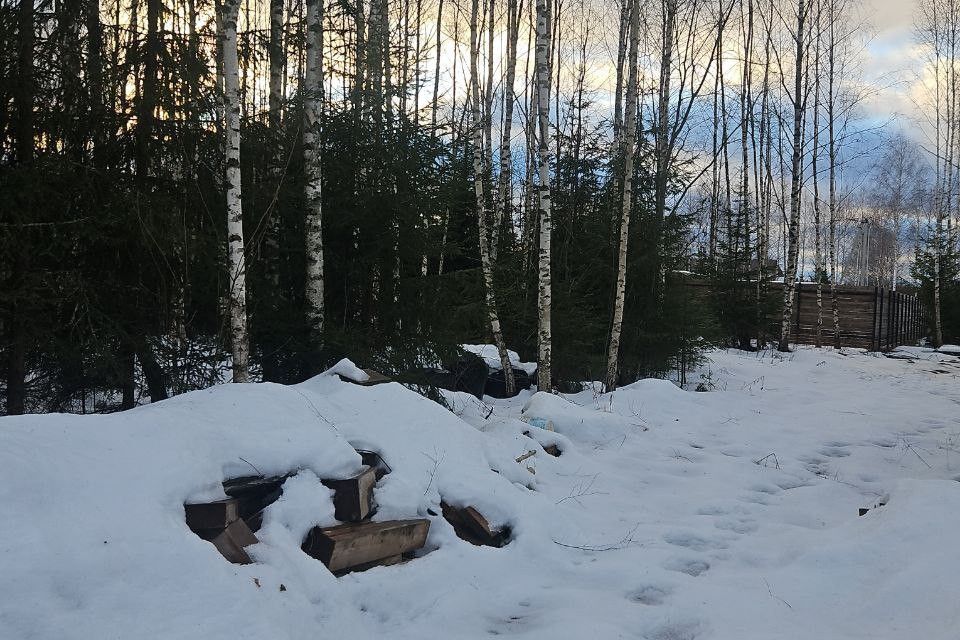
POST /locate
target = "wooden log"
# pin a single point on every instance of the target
(355, 546)
(552, 449)
(212, 515)
(470, 525)
(528, 454)
(253, 495)
(233, 540)
(373, 378)
(353, 497)
(373, 459)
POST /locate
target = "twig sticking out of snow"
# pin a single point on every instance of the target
(908, 446)
(436, 459)
(762, 460)
(770, 591)
(259, 473)
(625, 541)
(582, 489)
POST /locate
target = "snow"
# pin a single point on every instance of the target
(490, 355)
(669, 515)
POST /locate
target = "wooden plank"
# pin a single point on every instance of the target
(353, 497)
(233, 540)
(470, 525)
(212, 515)
(350, 546)
(373, 378)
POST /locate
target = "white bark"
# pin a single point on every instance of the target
(313, 228)
(544, 293)
(502, 201)
(831, 115)
(239, 338)
(790, 277)
(477, 124)
(630, 143)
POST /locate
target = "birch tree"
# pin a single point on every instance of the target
(628, 150)
(797, 100)
(239, 338)
(544, 275)
(479, 172)
(313, 228)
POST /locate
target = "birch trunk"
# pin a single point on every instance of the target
(662, 142)
(477, 125)
(277, 64)
(621, 58)
(630, 143)
(795, 183)
(817, 253)
(239, 339)
(313, 227)
(504, 178)
(544, 293)
(831, 103)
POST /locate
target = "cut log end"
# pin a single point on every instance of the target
(470, 525)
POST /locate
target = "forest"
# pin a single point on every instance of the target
(201, 191)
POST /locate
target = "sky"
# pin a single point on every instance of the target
(891, 64)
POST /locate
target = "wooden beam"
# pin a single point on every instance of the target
(354, 546)
(470, 525)
(212, 515)
(373, 378)
(233, 540)
(353, 497)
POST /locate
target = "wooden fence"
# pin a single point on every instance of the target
(870, 317)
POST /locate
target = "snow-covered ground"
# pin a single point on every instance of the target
(671, 514)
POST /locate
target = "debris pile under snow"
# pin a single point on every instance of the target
(668, 514)
(490, 355)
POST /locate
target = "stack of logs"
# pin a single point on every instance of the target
(357, 544)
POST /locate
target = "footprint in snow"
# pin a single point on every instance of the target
(768, 489)
(689, 566)
(755, 499)
(712, 511)
(508, 625)
(692, 541)
(886, 444)
(681, 630)
(649, 594)
(735, 525)
(791, 483)
(834, 452)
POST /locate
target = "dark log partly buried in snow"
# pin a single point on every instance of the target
(470, 525)
(373, 459)
(552, 449)
(232, 541)
(353, 547)
(496, 385)
(353, 497)
(212, 515)
(254, 494)
(468, 373)
(373, 378)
